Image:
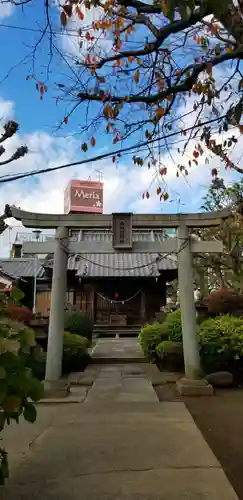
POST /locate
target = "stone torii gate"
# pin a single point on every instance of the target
(121, 226)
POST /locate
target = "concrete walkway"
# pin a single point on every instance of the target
(120, 350)
(120, 444)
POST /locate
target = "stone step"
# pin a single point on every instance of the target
(105, 360)
(111, 333)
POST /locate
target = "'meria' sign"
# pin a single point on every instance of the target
(83, 196)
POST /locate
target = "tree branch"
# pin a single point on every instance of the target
(185, 86)
(163, 34)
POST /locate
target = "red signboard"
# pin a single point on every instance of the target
(83, 196)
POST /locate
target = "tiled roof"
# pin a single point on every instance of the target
(121, 265)
(21, 268)
(118, 264)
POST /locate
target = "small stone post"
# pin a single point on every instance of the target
(58, 294)
(192, 384)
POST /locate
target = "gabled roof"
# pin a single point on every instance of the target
(22, 267)
(117, 265)
(120, 265)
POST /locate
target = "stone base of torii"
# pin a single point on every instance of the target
(183, 245)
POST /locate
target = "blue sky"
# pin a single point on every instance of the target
(38, 120)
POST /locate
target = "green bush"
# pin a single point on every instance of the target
(171, 328)
(75, 353)
(170, 354)
(19, 389)
(221, 343)
(80, 323)
(36, 360)
(152, 335)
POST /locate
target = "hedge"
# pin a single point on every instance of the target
(79, 323)
(224, 301)
(75, 356)
(221, 344)
(75, 353)
(170, 354)
(152, 335)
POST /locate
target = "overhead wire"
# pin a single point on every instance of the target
(105, 155)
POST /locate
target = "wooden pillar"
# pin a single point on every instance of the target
(143, 306)
(91, 299)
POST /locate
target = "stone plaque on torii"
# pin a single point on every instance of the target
(121, 225)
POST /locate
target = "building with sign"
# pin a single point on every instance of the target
(120, 288)
(83, 196)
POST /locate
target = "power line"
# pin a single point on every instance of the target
(69, 32)
(24, 175)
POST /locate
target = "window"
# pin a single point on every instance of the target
(122, 231)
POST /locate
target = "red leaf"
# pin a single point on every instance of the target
(113, 159)
(63, 18)
(163, 171)
(68, 9)
(147, 195)
(143, 196)
(65, 119)
(79, 13)
(92, 141)
(214, 172)
(195, 154)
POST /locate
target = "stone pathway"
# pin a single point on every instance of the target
(116, 381)
(122, 349)
(121, 383)
(119, 444)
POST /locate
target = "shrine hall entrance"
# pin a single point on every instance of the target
(127, 302)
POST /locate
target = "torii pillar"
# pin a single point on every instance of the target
(58, 294)
(193, 383)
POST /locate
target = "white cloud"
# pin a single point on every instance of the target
(123, 185)
(6, 110)
(6, 9)
(78, 47)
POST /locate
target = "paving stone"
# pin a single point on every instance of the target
(121, 443)
(127, 348)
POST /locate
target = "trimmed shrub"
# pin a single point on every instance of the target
(79, 323)
(152, 335)
(224, 301)
(20, 313)
(170, 354)
(221, 344)
(75, 353)
(36, 360)
(172, 328)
